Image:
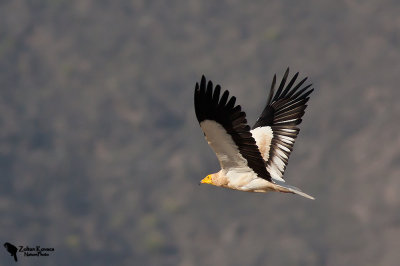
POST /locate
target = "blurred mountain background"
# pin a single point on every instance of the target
(101, 153)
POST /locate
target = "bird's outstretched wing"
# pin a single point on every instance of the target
(226, 130)
(281, 115)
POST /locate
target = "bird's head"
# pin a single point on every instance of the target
(208, 180)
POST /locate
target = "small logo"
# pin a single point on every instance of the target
(11, 249)
(28, 251)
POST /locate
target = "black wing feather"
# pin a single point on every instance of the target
(283, 112)
(208, 106)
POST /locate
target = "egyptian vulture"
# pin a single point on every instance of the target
(255, 159)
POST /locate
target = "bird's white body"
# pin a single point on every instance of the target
(235, 173)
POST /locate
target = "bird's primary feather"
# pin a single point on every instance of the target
(281, 115)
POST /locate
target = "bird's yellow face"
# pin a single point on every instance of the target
(207, 180)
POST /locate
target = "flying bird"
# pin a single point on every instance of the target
(252, 159)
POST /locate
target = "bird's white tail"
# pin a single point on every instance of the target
(293, 189)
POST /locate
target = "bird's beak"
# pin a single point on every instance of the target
(206, 180)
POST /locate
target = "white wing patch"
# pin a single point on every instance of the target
(276, 164)
(222, 143)
(263, 137)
